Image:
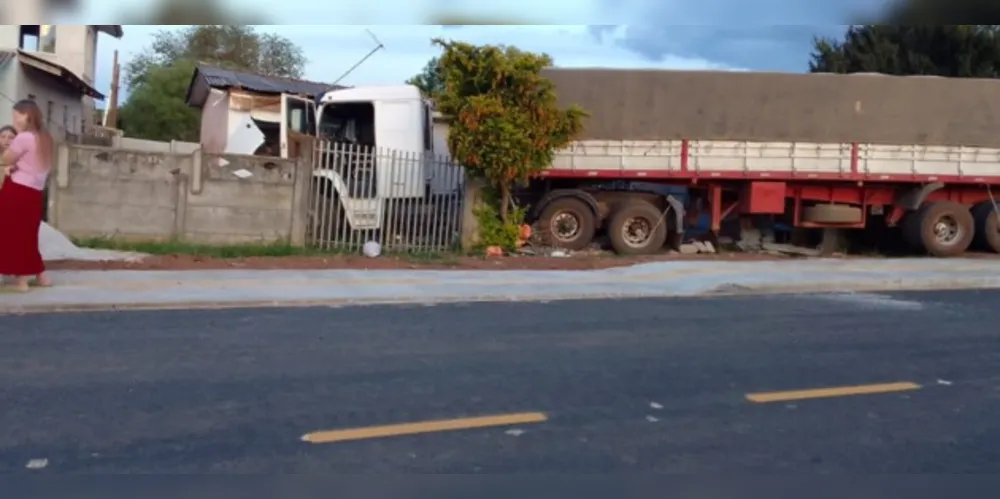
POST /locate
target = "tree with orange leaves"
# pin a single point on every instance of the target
(506, 123)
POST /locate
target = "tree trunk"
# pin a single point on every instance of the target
(504, 202)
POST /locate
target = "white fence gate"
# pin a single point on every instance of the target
(405, 201)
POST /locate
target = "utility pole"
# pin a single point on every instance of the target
(111, 115)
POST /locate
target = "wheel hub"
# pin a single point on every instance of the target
(947, 230)
(636, 231)
(565, 226)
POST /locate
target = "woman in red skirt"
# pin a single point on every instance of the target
(27, 162)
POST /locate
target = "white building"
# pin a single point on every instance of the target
(54, 65)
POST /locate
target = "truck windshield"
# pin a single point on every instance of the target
(348, 122)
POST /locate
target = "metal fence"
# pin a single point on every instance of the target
(404, 201)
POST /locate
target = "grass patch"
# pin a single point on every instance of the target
(275, 249)
(184, 248)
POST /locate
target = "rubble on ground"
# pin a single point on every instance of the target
(55, 246)
(698, 248)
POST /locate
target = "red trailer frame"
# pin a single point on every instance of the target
(772, 193)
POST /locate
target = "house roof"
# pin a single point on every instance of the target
(65, 76)
(208, 77)
(114, 30)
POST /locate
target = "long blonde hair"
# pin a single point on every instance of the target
(36, 124)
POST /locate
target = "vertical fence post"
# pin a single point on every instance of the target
(300, 198)
(471, 200)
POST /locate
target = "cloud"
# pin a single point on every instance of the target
(333, 49)
(760, 35)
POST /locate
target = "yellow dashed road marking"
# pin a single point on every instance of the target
(396, 430)
(842, 391)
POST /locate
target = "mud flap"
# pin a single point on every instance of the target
(675, 237)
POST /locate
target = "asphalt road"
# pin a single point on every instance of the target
(622, 386)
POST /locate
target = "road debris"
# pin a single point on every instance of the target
(37, 464)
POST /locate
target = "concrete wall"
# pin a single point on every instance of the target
(215, 122)
(10, 36)
(440, 138)
(8, 70)
(210, 199)
(76, 48)
(156, 146)
(63, 109)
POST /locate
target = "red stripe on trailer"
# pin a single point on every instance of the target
(662, 174)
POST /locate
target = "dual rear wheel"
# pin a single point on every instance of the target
(635, 228)
(947, 229)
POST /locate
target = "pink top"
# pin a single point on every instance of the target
(28, 170)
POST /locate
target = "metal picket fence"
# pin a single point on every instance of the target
(405, 201)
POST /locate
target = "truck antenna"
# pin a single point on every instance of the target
(378, 46)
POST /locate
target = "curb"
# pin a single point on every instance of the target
(722, 290)
(929, 284)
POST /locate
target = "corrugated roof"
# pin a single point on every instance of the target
(215, 77)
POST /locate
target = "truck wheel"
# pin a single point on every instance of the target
(941, 228)
(832, 214)
(568, 223)
(987, 237)
(637, 228)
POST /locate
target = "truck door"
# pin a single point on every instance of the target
(298, 125)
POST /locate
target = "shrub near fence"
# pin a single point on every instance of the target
(405, 201)
(203, 199)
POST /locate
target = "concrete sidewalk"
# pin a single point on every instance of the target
(96, 290)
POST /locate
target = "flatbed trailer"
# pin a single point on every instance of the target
(942, 197)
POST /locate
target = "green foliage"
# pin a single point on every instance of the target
(226, 45)
(944, 50)
(930, 12)
(493, 231)
(156, 109)
(506, 123)
(429, 80)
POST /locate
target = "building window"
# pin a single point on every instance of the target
(48, 114)
(66, 122)
(47, 38)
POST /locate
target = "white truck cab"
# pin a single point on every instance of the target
(393, 122)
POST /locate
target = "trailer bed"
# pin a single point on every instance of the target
(695, 159)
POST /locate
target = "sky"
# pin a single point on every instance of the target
(770, 35)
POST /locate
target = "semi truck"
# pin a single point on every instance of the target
(908, 157)
(813, 151)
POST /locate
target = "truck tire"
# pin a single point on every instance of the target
(832, 214)
(568, 223)
(941, 228)
(637, 228)
(987, 237)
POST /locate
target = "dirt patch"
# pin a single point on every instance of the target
(309, 262)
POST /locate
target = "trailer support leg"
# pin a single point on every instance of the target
(834, 241)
